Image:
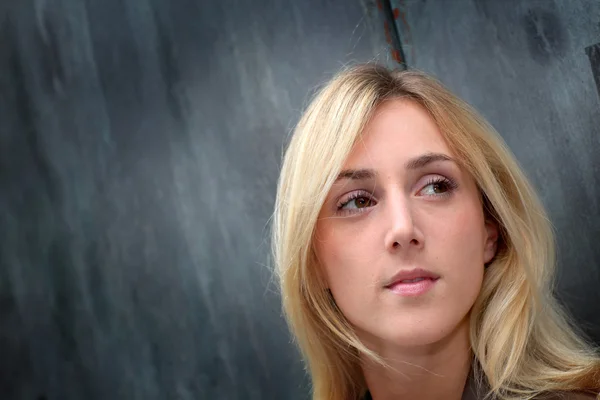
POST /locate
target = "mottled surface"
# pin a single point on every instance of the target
(140, 143)
(524, 65)
(139, 147)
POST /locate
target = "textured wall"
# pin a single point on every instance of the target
(532, 67)
(140, 143)
(139, 146)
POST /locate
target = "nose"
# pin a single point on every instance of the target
(401, 231)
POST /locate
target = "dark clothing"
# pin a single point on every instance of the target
(553, 396)
(472, 392)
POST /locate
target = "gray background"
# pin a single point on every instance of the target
(140, 143)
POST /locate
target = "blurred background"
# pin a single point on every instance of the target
(140, 143)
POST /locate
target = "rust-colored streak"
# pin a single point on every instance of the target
(396, 56)
(403, 17)
(396, 13)
(388, 37)
(379, 5)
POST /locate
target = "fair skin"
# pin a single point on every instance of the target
(408, 206)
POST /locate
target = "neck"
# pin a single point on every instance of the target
(435, 371)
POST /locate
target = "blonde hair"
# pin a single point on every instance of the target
(522, 341)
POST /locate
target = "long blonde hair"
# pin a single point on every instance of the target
(523, 343)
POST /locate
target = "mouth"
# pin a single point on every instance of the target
(412, 283)
(413, 287)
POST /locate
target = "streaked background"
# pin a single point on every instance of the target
(140, 143)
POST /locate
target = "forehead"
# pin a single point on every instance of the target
(399, 129)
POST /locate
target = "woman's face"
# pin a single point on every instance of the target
(402, 238)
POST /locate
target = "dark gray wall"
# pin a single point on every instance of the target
(140, 143)
(139, 147)
(524, 65)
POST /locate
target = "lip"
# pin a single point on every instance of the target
(411, 274)
(397, 285)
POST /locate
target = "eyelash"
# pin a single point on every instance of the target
(353, 196)
(450, 184)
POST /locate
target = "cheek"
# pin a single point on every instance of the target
(343, 254)
(465, 229)
(460, 246)
(327, 248)
(347, 263)
(454, 242)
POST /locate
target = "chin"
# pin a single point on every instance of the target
(419, 334)
(413, 339)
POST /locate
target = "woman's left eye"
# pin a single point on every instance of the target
(438, 187)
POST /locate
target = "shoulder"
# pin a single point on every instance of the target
(570, 396)
(584, 396)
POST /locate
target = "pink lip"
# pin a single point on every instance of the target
(399, 285)
(413, 289)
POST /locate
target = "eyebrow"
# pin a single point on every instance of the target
(412, 164)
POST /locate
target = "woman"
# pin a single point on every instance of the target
(414, 258)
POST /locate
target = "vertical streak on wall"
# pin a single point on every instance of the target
(593, 53)
(392, 33)
(400, 18)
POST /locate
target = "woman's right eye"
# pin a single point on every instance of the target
(356, 202)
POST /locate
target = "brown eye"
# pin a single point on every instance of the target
(357, 202)
(438, 187)
(362, 202)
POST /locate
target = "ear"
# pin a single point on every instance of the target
(491, 240)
